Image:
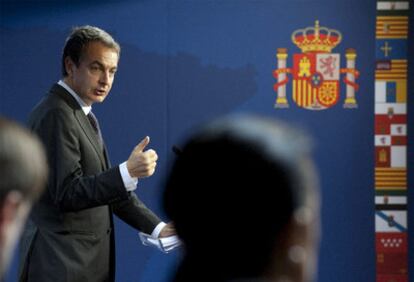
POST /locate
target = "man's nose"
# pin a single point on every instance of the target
(105, 77)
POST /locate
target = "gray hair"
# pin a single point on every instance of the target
(79, 39)
(23, 163)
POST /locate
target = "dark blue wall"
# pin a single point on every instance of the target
(184, 62)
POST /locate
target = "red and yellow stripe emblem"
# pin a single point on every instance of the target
(398, 70)
(390, 178)
(304, 94)
(392, 27)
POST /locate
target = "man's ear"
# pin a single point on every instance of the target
(69, 65)
(287, 253)
(9, 208)
(14, 210)
(293, 234)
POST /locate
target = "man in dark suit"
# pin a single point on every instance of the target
(70, 233)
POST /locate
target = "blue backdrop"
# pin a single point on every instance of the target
(184, 62)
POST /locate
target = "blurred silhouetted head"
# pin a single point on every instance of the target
(23, 176)
(243, 196)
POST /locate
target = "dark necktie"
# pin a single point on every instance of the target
(95, 126)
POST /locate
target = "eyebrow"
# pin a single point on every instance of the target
(101, 65)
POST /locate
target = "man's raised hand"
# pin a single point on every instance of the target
(142, 163)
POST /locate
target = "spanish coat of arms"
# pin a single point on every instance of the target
(316, 71)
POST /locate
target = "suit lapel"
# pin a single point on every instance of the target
(83, 122)
(90, 133)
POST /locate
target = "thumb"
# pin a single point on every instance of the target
(141, 146)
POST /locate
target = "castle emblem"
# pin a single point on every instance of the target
(316, 71)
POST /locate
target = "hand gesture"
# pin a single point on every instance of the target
(142, 163)
(168, 230)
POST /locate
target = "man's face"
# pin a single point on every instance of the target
(92, 79)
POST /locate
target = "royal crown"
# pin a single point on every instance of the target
(316, 39)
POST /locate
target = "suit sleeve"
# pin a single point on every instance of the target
(134, 212)
(74, 185)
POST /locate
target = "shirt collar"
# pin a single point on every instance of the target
(85, 108)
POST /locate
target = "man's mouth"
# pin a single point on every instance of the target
(100, 92)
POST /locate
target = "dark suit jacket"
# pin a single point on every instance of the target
(69, 234)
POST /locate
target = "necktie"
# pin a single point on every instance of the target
(95, 125)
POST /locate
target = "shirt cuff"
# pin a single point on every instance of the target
(157, 230)
(130, 182)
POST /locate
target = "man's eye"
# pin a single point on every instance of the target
(94, 68)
